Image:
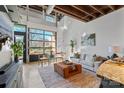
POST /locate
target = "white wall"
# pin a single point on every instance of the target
(109, 31)
(6, 25)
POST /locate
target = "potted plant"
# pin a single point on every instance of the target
(72, 44)
(77, 55)
(17, 49)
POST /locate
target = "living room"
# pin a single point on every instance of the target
(67, 50)
(105, 28)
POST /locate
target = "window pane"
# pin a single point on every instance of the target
(36, 31)
(48, 50)
(53, 38)
(50, 19)
(19, 28)
(49, 33)
(53, 44)
(41, 41)
(48, 38)
(36, 50)
(48, 44)
(47, 53)
(36, 44)
(19, 38)
(36, 37)
(53, 49)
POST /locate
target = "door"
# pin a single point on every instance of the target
(21, 36)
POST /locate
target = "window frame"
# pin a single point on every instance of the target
(51, 17)
(44, 41)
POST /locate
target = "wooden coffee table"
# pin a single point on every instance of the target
(67, 70)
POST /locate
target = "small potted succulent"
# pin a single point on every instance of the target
(72, 44)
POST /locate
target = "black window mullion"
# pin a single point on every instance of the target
(44, 42)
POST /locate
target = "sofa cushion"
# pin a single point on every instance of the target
(83, 56)
(89, 63)
(89, 60)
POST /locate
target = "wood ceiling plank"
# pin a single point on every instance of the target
(118, 6)
(80, 9)
(68, 11)
(111, 7)
(71, 10)
(68, 14)
(43, 6)
(96, 9)
(65, 12)
(107, 10)
(36, 7)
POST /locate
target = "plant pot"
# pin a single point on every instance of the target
(72, 50)
(16, 59)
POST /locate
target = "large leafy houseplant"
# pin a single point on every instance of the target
(17, 49)
(72, 44)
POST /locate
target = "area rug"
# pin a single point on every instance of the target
(51, 79)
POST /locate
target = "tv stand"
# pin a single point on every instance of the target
(12, 76)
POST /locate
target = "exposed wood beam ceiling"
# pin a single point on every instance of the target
(111, 7)
(98, 10)
(83, 13)
(80, 8)
(70, 11)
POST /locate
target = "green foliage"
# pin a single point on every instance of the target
(17, 48)
(72, 44)
(77, 55)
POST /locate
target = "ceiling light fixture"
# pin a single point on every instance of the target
(50, 9)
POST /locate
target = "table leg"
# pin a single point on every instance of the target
(101, 86)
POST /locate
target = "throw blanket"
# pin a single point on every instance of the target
(112, 70)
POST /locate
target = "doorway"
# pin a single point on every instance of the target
(21, 36)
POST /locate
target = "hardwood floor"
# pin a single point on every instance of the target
(32, 78)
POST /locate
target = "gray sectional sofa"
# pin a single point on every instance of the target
(89, 62)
